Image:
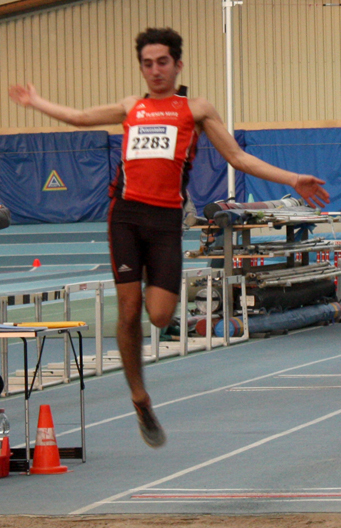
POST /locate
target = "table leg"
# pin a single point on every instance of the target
(27, 416)
(37, 369)
(80, 368)
(82, 387)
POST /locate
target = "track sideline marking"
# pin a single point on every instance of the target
(294, 387)
(310, 376)
(244, 490)
(205, 464)
(201, 501)
(247, 495)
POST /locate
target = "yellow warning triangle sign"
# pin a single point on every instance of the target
(54, 183)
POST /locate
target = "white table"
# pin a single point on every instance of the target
(20, 460)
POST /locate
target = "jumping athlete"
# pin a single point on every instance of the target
(160, 134)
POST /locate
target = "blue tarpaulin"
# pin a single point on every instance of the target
(55, 177)
(64, 176)
(208, 181)
(315, 151)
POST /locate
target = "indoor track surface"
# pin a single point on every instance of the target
(252, 429)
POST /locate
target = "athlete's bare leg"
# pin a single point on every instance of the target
(160, 305)
(129, 336)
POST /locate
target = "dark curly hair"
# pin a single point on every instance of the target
(166, 36)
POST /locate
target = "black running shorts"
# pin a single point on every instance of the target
(146, 236)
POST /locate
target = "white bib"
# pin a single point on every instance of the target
(151, 141)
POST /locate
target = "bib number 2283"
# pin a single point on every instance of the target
(151, 141)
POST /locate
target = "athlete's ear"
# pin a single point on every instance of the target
(179, 65)
(142, 71)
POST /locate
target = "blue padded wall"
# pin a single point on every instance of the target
(55, 177)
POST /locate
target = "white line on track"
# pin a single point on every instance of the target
(259, 389)
(206, 463)
(165, 495)
(191, 501)
(254, 494)
(310, 376)
(207, 490)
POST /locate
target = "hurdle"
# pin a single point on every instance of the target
(229, 281)
(98, 361)
(62, 373)
(94, 364)
(203, 343)
(196, 343)
(98, 287)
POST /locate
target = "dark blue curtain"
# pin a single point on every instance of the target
(57, 177)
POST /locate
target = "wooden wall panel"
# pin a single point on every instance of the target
(84, 54)
(4, 79)
(290, 52)
(287, 56)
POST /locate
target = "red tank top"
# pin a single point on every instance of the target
(158, 148)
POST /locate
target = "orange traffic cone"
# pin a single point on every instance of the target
(46, 459)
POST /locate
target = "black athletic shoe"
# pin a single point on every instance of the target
(150, 428)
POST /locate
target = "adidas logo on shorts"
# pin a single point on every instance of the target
(124, 267)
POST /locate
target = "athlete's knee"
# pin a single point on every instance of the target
(160, 305)
(129, 304)
(127, 321)
(160, 320)
(129, 314)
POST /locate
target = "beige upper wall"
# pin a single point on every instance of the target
(288, 61)
(287, 65)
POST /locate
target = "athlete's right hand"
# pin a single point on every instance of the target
(23, 96)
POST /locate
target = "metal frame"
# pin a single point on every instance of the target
(99, 287)
(187, 274)
(37, 299)
(228, 281)
(227, 6)
(21, 457)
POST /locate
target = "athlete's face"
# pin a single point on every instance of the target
(159, 70)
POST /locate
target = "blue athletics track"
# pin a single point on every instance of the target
(253, 429)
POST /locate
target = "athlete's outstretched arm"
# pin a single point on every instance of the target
(309, 187)
(97, 115)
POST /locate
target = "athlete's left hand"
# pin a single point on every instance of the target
(309, 187)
